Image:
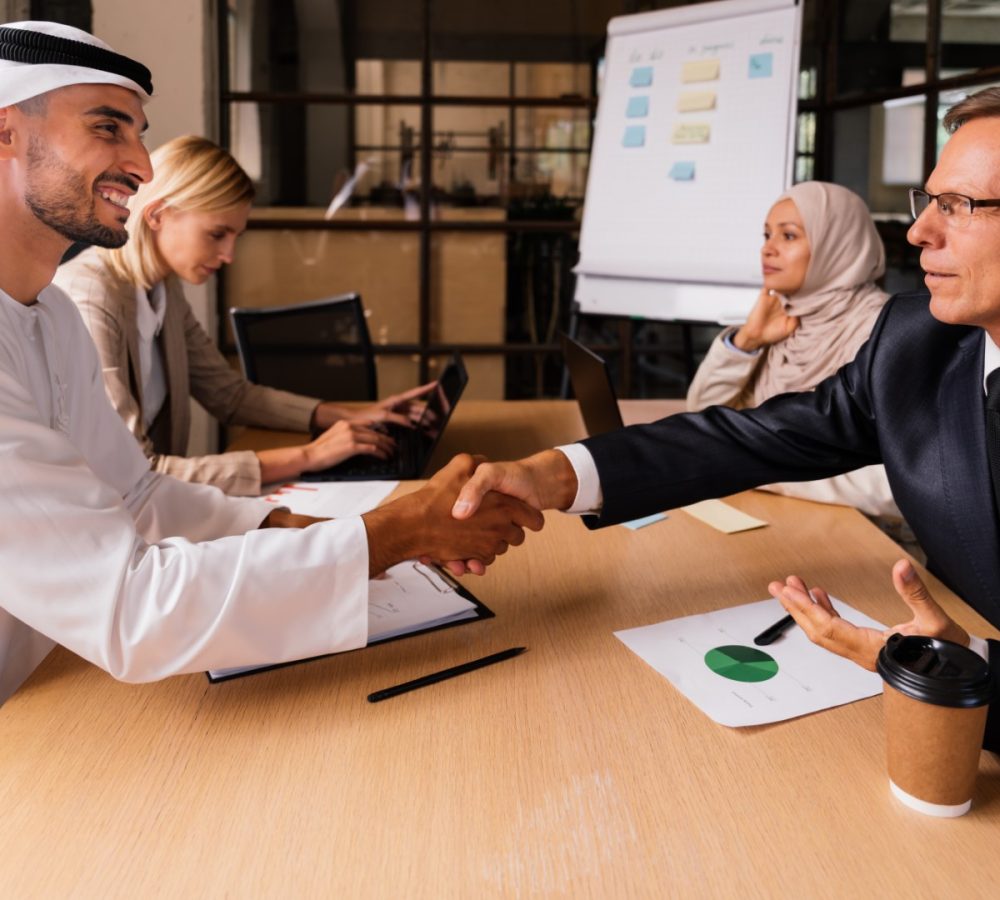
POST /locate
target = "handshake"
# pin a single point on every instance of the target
(473, 510)
(470, 512)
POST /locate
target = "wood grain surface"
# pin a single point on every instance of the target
(573, 770)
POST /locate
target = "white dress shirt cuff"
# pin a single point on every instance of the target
(589, 498)
(980, 646)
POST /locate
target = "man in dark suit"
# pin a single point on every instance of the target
(913, 399)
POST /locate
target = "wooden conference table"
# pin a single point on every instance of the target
(574, 770)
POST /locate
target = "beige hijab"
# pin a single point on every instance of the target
(838, 302)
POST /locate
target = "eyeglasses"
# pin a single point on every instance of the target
(957, 208)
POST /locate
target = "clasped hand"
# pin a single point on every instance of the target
(421, 524)
(814, 613)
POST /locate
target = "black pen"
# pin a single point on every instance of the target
(435, 677)
(772, 633)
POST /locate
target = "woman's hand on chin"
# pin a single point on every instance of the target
(767, 324)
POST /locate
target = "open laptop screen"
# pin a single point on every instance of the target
(440, 404)
(592, 385)
(414, 446)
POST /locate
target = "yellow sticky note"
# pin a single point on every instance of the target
(691, 133)
(694, 101)
(722, 516)
(700, 70)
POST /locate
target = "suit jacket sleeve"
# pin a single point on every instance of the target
(696, 456)
(724, 378)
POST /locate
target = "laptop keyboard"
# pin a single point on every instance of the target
(404, 463)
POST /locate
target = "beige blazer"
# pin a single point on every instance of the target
(194, 368)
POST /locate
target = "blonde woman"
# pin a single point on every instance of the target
(155, 355)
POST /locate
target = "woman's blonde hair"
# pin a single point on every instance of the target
(190, 174)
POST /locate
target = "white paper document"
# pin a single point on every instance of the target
(330, 499)
(713, 661)
(410, 597)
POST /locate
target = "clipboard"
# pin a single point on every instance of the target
(478, 612)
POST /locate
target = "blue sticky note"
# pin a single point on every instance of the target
(761, 65)
(642, 76)
(635, 136)
(682, 171)
(638, 107)
(636, 524)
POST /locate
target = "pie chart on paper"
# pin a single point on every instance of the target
(739, 663)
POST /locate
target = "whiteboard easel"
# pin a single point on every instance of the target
(693, 142)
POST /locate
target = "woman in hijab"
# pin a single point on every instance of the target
(819, 301)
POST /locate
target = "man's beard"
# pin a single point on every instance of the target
(63, 208)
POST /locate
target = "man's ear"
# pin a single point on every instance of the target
(6, 136)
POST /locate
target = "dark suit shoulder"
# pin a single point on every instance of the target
(906, 330)
(912, 310)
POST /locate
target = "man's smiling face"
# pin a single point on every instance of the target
(84, 158)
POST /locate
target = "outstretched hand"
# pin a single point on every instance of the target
(814, 613)
(543, 481)
(420, 525)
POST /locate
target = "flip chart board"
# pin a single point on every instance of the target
(693, 142)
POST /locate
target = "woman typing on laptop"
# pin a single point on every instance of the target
(155, 355)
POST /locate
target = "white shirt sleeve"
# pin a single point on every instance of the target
(110, 578)
(589, 497)
(164, 507)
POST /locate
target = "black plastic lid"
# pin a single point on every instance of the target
(935, 671)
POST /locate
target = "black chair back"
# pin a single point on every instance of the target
(321, 348)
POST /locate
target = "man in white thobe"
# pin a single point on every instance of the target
(143, 575)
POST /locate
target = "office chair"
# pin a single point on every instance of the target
(321, 348)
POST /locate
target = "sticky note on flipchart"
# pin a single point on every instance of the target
(700, 70)
(636, 524)
(638, 107)
(696, 101)
(691, 133)
(635, 136)
(682, 170)
(722, 516)
(642, 76)
(761, 65)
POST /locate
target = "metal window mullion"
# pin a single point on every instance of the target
(933, 77)
(426, 174)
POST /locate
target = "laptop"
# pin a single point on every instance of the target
(595, 394)
(414, 446)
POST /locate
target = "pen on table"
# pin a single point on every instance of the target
(770, 634)
(444, 674)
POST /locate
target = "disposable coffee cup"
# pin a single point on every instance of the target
(936, 697)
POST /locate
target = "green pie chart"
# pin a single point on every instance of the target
(739, 663)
